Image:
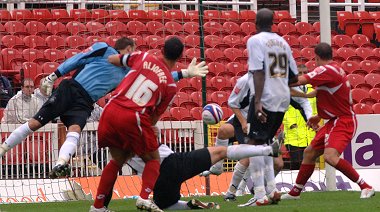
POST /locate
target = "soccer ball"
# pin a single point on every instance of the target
(212, 114)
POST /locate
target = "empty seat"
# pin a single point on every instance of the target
(220, 82)
(311, 65)
(232, 53)
(355, 79)
(308, 53)
(361, 40)
(76, 28)
(282, 16)
(8, 55)
(359, 94)
(192, 15)
(193, 52)
(350, 66)
(304, 28)
(287, 28)
(37, 28)
(213, 27)
(50, 67)
(158, 15)
(82, 15)
(177, 15)
(16, 28)
(372, 79)
(291, 40)
(117, 28)
(214, 54)
(366, 22)
(374, 93)
(368, 65)
(230, 15)
(119, 15)
(361, 108)
(227, 113)
(11, 41)
(57, 28)
(100, 15)
(376, 108)
(215, 68)
(5, 16)
(192, 41)
(22, 15)
(248, 28)
(93, 39)
(32, 54)
(235, 67)
(61, 15)
(31, 70)
(181, 114)
(154, 26)
(138, 15)
(211, 15)
(345, 52)
(247, 15)
(233, 29)
(34, 41)
(363, 52)
(212, 40)
(307, 41)
(76, 41)
(196, 113)
(220, 98)
(173, 27)
(54, 55)
(154, 41)
(97, 28)
(342, 41)
(348, 23)
(191, 27)
(55, 41)
(137, 28)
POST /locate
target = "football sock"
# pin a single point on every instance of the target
(269, 174)
(346, 168)
(237, 152)
(149, 177)
(256, 169)
(107, 181)
(68, 148)
(305, 172)
(108, 198)
(238, 174)
(243, 182)
(180, 205)
(16, 137)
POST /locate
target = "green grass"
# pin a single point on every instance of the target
(310, 201)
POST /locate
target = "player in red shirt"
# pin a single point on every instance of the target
(126, 125)
(334, 103)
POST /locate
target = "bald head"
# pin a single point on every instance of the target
(264, 20)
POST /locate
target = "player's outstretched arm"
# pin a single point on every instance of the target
(301, 81)
(116, 59)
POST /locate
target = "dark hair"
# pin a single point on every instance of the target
(123, 43)
(324, 51)
(26, 80)
(264, 19)
(173, 48)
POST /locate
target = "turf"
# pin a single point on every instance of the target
(311, 201)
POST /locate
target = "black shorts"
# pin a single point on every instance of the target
(176, 169)
(240, 136)
(70, 102)
(263, 133)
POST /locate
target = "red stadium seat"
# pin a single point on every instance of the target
(8, 55)
(343, 41)
(97, 28)
(34, 41)
(31, 70)
(305, 28)
(287, 28)
(192, 15)
(363, 52)
(375, 15)
(192, 41)
(54, 55)
(173, 27)
(119, 15)
(177, 15)
(212, 40)
(361, 40)
(55, 41)
(16, 28)
(227, 113)
(307, 41)
(374, 93)
(311, 65)
(282, 16)
(158, 15)
(211, 15)
(362, 109)
(350, 66)
(138, 15)
(154, 41)
(193, 52)
(76, 41)
(345, 52)
(213, 28)
(111, 40)
(215, 55)
(22, 15)
(137, 28)
(230, 15)
(368, 65)
(247, 15)
(181, 114)
(296, 53)
(292, 41)
(57, 28)
(235, 67)
(220, 98)
(76, 28)
(154, 26)
(11, 41)
(117, 28)
(359, 94)
(93, 39)
(191, 27)
(233, 29)
(248, 28)
(348, 23)
(179, 98)
(5, 16)
(232, 40)
(49, 67)
(81, 15)
(366, 22)
(221, 83)
(233, 53)
(42, 15)
(308, 53)
(37, 28)
(32, 54)
(376, 108)
(196, 113)
(196, 97)
(61, 15)
(377, 31)
(355, 79)
(100, 15)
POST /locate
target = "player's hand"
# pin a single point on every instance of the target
(244, 126)
(259, 112)
(195, 70)
(48, 83)
(313, 122)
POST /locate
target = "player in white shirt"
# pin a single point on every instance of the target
(272, 67)
(178, 167)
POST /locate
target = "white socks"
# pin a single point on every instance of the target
(68, 148)
(243, 182)
(219, 142)
(269, 174)
(180, 205)
(256, 168)
(237, 152)
(16, 137)
(239, 171)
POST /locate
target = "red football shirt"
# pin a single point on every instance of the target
(148, 87)
(333, 91)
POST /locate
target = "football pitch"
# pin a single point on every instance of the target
(310, 201)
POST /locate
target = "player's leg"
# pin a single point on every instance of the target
(239, 171)
(108, 178)
(241, 190)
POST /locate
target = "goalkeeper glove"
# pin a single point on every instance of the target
(195, 70)
(48, 82)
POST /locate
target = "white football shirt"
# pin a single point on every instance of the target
(238, 97)
(270, 52)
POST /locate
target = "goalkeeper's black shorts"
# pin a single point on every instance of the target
(174, 170)
(70, 102)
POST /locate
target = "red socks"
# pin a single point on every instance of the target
(306, 170)
(149, 177)
(106, 183)
(346, 168)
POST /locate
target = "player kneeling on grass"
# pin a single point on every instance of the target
(178, 167)
(334, 104)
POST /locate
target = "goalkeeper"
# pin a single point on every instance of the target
(74, 98)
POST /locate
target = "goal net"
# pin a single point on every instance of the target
(36, 36)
